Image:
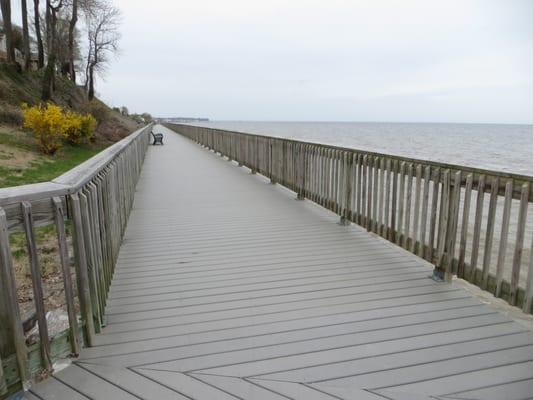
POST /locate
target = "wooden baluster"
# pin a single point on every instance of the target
(508, 200)
(82, 271)
(359, 189)
(454, 217)
(416, 216)
(11, 333)
(92, 268)
(477, 228)
(394, 203)
(401, 205)
(424, 216)
(381, 195)
(443, 218)
(348, 188)
(407, 223)
(519, 243)
(323, 177)
(375, 186)
(37, 286)
(364, 190)
(59, 214)
(386, 223)
(433, 215)
(495, 183)
(528, 294)
(370, 193)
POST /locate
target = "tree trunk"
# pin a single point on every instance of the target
(25, 34)
(71, 31)
(49, 72)
(90, 94)
(40, 47)
(8, 29)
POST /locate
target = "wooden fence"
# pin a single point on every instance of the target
(89, 208)
(468, 222)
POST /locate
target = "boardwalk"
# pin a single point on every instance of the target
(228, 288)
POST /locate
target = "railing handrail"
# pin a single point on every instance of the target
(70, 181)
(522, 178)
(84, 172)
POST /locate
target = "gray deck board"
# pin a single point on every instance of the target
(228, 288)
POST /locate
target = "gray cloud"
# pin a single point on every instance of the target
(386, 60)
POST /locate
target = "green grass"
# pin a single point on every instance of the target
(43, 168)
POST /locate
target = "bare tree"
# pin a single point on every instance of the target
(71, 33)
(25, 34)
(102, 29)
(8, 29)
(38, 34)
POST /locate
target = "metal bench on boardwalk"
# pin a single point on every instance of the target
(225, 287)
(158, 138)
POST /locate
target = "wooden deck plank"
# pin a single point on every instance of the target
(186, 385)
(56, 390)
(300, 336)
(91, 385)
(135, 383)
(333, 346)
(227, 288)
(471, 381)
(435, 352)
(425, 378)
(516, 390)
(240, 388)
(293, 390)
(228, 332)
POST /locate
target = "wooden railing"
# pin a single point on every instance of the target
(468, 222)
(89, 208)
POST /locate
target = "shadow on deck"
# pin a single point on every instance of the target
(226, 287)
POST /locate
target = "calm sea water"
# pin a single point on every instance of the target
(498, 147)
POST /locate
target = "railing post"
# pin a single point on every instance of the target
(519, 243)
(37, 286)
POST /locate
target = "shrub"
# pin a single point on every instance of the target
(48, 125)
(99, 111)
(79, 128)
(51, 125)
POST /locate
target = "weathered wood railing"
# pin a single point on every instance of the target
(92, 201)
(437, 211)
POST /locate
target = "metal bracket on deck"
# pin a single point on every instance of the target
(344, 221)
(438, 275)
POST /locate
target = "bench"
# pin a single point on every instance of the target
(158, 138)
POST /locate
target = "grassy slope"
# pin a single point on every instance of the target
(17, 88)
(20, 159)
(22, 163)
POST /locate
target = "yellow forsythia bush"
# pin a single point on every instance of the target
(79, 127)
(48, 125)
(51, 126)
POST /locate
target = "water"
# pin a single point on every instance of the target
(497, 147)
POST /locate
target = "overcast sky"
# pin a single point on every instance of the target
(368, 60)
